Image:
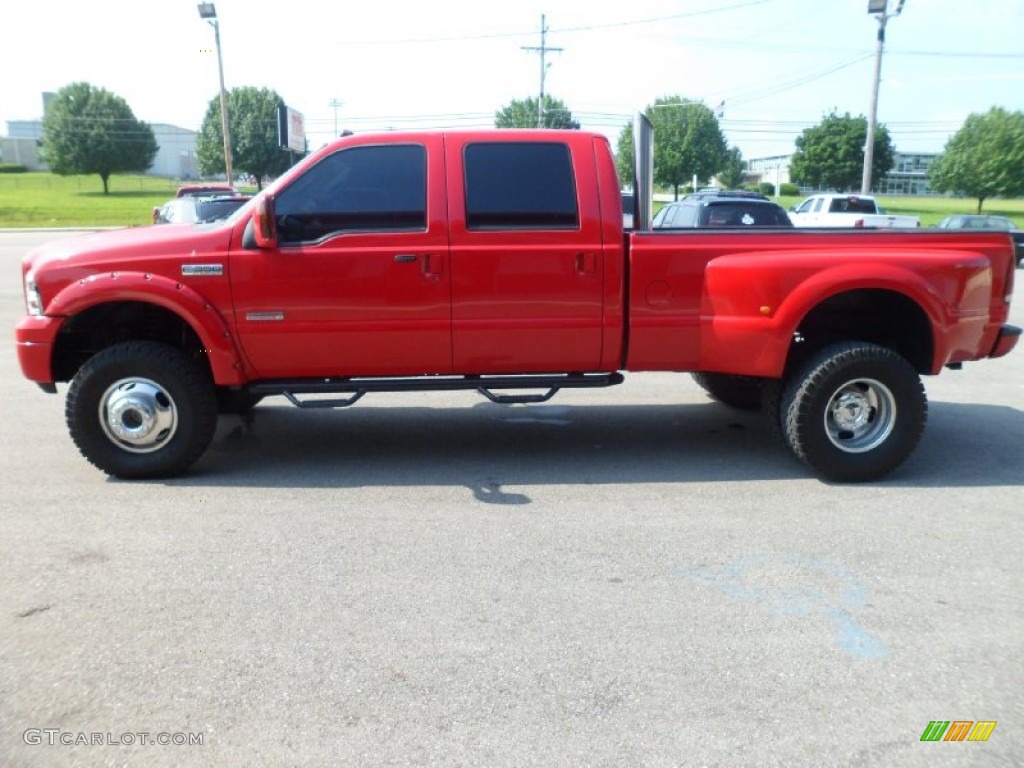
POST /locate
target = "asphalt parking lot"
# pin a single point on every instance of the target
(628, 577)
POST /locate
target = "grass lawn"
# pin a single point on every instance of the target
(48, 200)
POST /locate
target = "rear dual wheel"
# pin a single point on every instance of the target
(854, 412)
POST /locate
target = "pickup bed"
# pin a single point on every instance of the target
(846, 211)
(496, 261)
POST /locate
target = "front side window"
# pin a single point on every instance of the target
(528, 185)
(360, 189)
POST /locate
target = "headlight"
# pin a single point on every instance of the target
(33, 304)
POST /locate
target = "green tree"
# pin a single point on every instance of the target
(830, 155)
(90, 130)
(522, 113)
(252, 114)
(731, 175)
(624, 155)
(984, 159)
(688, 141)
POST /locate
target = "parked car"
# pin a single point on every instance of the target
(195, 210)
(207, 190)
(981, 221)
(719, 211)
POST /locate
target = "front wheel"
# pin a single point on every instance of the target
(854, 412)
(141, 409)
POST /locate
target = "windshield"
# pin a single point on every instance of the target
(233, 218)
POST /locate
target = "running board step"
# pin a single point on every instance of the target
(485, 385)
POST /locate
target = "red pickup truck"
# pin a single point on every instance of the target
(497, 261)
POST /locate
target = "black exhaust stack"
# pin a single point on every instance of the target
(643, 171)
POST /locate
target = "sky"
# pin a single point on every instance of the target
(779, 66)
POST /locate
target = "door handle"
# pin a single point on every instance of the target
(433, 264)
(586, 263)
(405, 258)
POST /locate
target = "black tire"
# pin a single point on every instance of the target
(235, 401)
(740, 392)
(854, 412)
(141, 409)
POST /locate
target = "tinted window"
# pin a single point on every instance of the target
(212, 210)
(686, 216)
(520, 186)
(851, 205)
(362, 189)
(741, 214)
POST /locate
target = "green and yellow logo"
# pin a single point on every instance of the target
(958, 730)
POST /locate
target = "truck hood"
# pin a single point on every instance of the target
(136, 248)
(156, 250)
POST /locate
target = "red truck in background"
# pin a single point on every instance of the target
(497, 261)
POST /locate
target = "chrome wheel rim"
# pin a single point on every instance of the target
(138, 415)
(860, 415)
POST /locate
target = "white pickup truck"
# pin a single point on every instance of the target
(846, 211)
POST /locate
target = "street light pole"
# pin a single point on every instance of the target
(209, 12)
(881, 9)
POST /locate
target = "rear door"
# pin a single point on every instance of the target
(359, 283)
(527, 256)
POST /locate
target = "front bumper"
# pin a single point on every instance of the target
(35, 338)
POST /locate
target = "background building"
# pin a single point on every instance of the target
(909, 174)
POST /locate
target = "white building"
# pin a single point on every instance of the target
(909, 174)
(175, 157)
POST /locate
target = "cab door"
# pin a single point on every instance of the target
(359, 283)
(527, 255)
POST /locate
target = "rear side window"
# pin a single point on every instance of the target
(360, 189)
(520, 186)
(685, 216)
(172, 213)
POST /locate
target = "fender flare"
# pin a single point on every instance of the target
(174, 296)
(821, 287)
(765, 351)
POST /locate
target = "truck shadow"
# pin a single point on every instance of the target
(488, 448)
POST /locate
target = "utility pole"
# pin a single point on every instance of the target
(335, 103)
(881, 9)
(542, 50)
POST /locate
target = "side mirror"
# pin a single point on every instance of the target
(264, 224)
